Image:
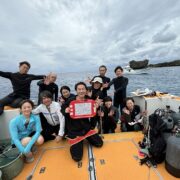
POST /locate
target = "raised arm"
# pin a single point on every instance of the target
(5, 74)
(36, 77)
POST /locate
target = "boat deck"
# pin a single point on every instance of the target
(117, 159)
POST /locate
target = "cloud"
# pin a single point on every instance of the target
(66, 35)
(165, 35)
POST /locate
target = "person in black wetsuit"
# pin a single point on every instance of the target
(65, 94)
(131, 118)
(48, 84)
(110, 116)
(96, 90)
(80, 129)
(120, 85)
(21, 82)
(106, 80)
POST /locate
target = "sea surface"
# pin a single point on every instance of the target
(166, 79)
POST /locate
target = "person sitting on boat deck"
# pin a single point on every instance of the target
(25, 130)
(131, 118)
(80, 129)
(65, 94)
(120, 85)
(52, 120)
(105, 80)
(110, 116)
(21, 82)
(48, 83)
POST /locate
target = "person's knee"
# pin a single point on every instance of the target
(40, 140)
(76, 156)
(25, 141)
(100, 144)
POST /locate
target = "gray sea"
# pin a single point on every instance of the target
(166, 79)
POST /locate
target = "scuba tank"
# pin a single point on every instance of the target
(176, 117)
(168, 119)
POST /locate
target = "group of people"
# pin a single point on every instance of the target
(50, 120)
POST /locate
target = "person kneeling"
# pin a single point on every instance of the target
(80, 129)
(25, 131)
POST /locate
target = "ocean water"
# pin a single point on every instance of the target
(166, 79)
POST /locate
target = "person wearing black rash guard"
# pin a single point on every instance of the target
(105, 80)
(65, 94)
(96, 90)
(80, 129)
(21, 82)
(48, 84)
(120, 85)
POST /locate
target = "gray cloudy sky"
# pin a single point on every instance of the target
(78, 35)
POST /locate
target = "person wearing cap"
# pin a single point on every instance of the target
(21, 82)
(52, 120)
(105, 79)
(48, 84)
(110, 116)
(120, 84)
(96, 89)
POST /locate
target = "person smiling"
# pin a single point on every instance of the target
(25, 130)
(21, 82)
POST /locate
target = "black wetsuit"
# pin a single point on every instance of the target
(66, 116)
(52, 88)
(96, 93)
(21, 88)
(120, 84)
(130, 118)
(105, 80)
(110, 122)
(79, 127)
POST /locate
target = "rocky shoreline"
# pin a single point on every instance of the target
(144, 64)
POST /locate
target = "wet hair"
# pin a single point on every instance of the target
(107, 98)
(25, 62)
(46, 94)
(66, 88)
(80, 83)
(118, 67)
(103, 66)
(26, 101)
